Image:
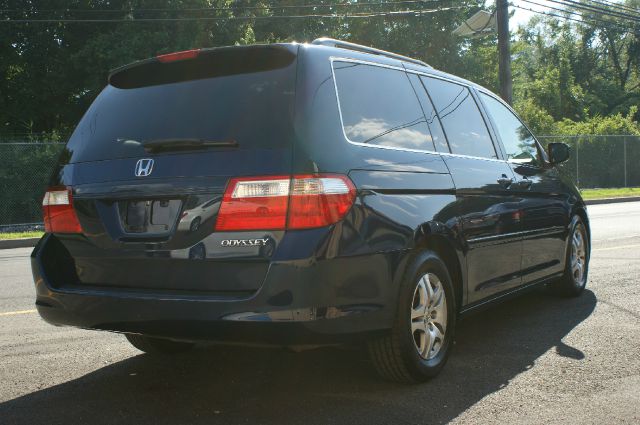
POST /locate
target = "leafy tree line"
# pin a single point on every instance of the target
(568, 77)
(574, 78)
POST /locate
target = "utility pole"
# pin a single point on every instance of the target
(504, 50)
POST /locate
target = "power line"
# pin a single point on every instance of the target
(551, 7)
(404, 13)
(541, 12)
(615, 5)
(582, 21)
(234, 8)
(603, 10)
(571, 12)
(595, 9)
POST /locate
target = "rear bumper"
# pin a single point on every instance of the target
(300, 302)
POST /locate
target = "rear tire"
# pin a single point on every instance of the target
(195, 225)
(574, 280)
(156, 346)
(418, 346)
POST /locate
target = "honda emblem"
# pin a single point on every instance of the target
(144, 167)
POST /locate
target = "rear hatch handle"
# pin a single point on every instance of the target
(165, 145)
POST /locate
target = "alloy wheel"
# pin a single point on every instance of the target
(578, 254)
(428, 316)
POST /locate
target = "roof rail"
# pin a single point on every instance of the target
(324, 41)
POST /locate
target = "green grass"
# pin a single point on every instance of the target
(610, 193)
(20, 235)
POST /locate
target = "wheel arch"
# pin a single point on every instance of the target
(578, 210)
(445, 249)
(581, 211)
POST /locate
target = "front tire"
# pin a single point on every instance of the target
(418, 346)
(151, 345)
(574, 280)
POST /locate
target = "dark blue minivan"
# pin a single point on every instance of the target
(300, 195)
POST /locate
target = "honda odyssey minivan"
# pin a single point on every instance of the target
(301, 195)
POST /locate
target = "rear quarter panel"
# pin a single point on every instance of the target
(402, 195)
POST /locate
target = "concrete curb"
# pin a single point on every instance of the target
(19, 243)
(612, 200)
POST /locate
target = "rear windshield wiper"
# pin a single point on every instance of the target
(163, 145)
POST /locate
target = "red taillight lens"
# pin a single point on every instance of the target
(254, 203)
(282, 202)
(318, 201)
(57, 209)
(178, 56)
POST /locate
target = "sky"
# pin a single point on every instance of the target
(521, 16)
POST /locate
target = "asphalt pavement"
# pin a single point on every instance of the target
(535, 359)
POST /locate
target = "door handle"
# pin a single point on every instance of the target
(505, 181)
(525, 183)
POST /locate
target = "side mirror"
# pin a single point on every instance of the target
(558, 152)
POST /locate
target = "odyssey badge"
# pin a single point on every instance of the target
(244, 242)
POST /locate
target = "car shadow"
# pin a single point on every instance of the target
(262, 386)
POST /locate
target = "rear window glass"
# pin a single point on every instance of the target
(379, 107)
(461, 119)
(243, 99)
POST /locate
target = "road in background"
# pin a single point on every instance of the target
(615, 223)
(535, 359)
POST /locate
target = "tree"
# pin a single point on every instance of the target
(575, 71)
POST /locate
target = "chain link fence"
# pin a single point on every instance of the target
(25, 169)
(601, 161)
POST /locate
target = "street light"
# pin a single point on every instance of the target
(480, 24)
(483, 23)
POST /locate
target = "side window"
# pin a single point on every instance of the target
(379, 107)
(461, 119)
(519, 144)
(430, 113)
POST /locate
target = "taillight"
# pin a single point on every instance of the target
(254, 203)
(283, 202)
(318, 201)
(57, 209)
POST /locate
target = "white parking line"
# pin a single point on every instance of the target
(15, 313)
(616, 247)
(615, 239)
